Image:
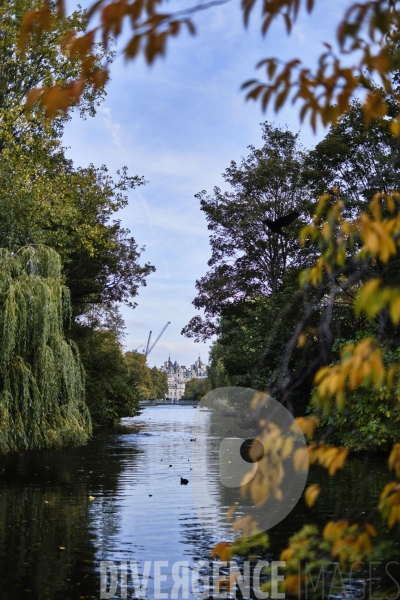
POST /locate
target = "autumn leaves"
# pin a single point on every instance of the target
(368, 31)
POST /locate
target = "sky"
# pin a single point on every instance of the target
(179, 124)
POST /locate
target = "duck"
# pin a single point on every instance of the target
(184, 481)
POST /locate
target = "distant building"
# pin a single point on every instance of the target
(179, 374)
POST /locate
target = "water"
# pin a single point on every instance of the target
(120, 499)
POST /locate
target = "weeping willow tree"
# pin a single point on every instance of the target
(42, 395)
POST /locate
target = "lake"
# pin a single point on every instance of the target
(120, 499)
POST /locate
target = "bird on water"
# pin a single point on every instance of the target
(184, 481)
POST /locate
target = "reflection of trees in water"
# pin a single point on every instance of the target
(49, 528)
(199, 542)
(197, 539)
(353, 491)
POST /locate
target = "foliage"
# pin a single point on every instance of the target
(41, 377)
(159, 381)
(357, 160)
(247, 260)
(347, 317)
(110, 394)
(367, 420)
(354, 250)
(46, 200)
(70, 210)
(195, 389)
(150, 383)
(349, 249)
(279, 340)
(217, 373)
(252, 340)
(42, 63)
(342, 542)
(368, 33)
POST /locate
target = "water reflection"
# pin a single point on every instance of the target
(50, 527)
(53, 535)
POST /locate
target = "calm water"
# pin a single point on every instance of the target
(120, 499)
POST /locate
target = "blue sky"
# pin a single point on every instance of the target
(180, 123)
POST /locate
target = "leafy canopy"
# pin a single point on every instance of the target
(46, 200)
(367, 48)
(41, 377)
(41, 63)
(246, 258)
(150, 383)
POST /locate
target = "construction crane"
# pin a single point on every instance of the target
(149, 347)
(146, 350)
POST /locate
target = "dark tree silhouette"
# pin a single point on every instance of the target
(246, 260)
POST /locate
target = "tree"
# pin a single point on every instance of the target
(43, 62)
(348, 247)
(110, 394)
(195, 389)
(151, 383)
(359, 161)
(347, 318)
(159, 383)
(46, 200)
(368, 32)
(248, 259)
(41, 376)
(251, 343)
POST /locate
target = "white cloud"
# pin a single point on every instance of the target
(113, 127)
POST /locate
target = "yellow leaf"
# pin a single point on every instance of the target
(247, 477)
(300, 459)
(366, 296)
(388, 489)
(395, 127)
(242, 524)
(307, 425)
(301, 340)
(371, 530)
(338, 462)
(394, 459)
(287, 448)
(311, 494)
(222, 550)
(390, 377)
(394, 308)
(334, 529)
